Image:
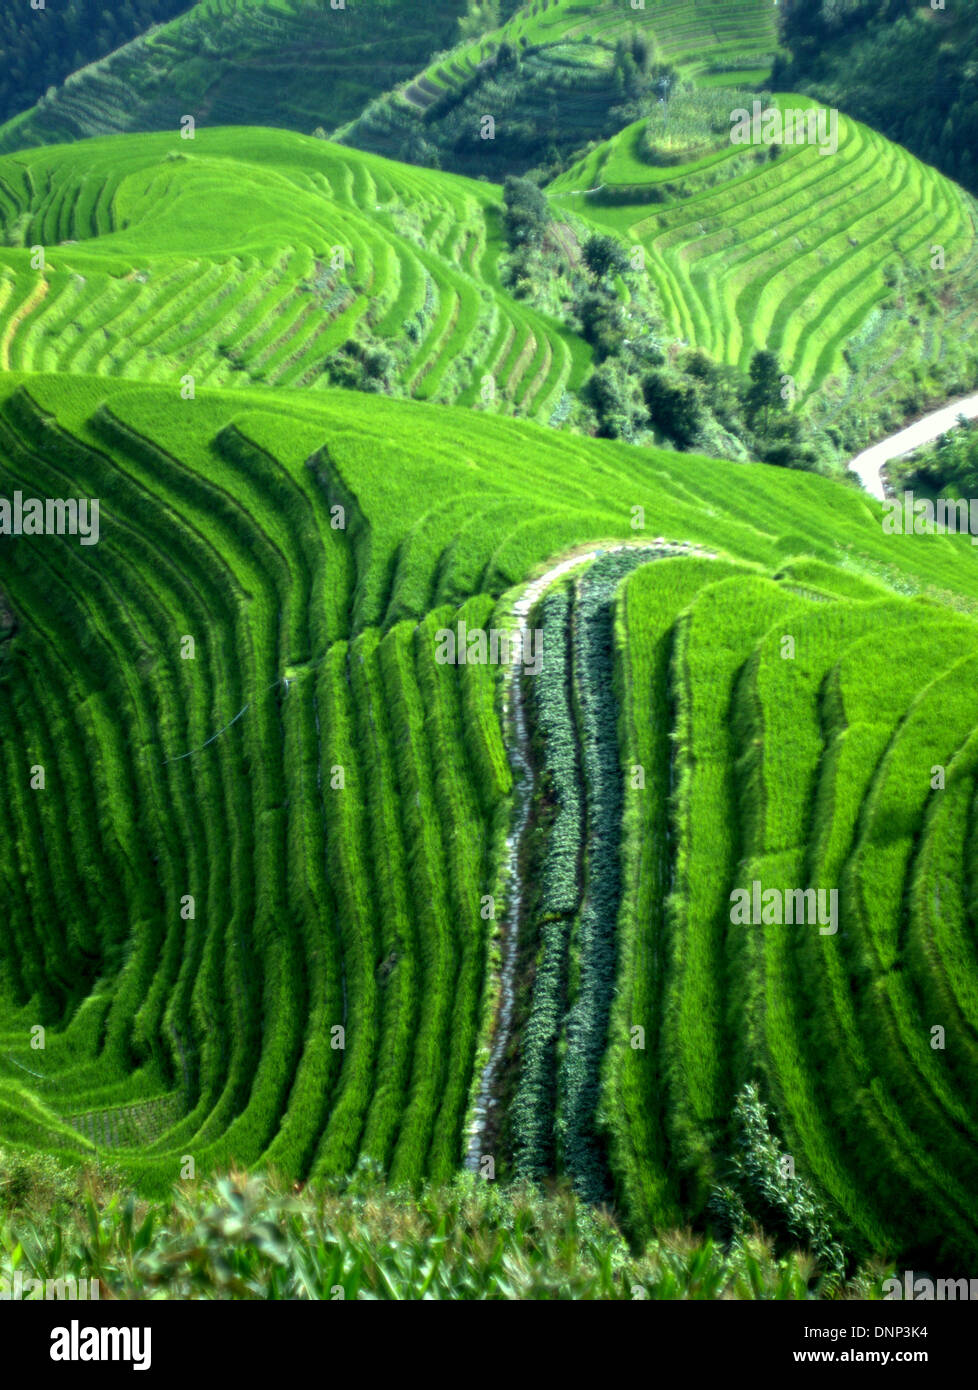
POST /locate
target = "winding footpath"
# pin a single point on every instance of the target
(869, 464)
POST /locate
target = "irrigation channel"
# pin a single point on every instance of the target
(517, 732)
(868, 466)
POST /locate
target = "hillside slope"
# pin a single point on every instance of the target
(559, 74)
(826, 259)
(907, 69)
(41, 46)
(249, 256)
(249, 901)
(298, 64)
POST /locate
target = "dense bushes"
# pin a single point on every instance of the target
(562, 821)
(761, 1190)
(595, 947)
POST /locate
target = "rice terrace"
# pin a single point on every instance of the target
(489, 797)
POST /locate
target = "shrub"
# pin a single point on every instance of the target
(674, 406)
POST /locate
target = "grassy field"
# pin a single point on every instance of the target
(813, 770)
(698, 37)
(302, 64)
(256, 257)
(296, 831)
(283, 891)
(551, 78)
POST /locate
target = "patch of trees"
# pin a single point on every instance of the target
(481, 17)
(526, 213)
(641, 387)
(39, 48)
(903, 68)
(361, 365)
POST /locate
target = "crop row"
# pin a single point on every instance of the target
(798, 766)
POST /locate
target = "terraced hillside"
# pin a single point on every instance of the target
(253, 843)
(296, 64)
(246, 257)
(693, 36)
(830, 260)
(552, 78)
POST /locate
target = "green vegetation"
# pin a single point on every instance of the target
(298, 64)
(559, 74)
(261, 257)
(903, 67)
(301, 544)
(824, 260)
(254, 1239)
(39, 50)
(264, 257)
(809, 766)
(947, 468)
(302, 911)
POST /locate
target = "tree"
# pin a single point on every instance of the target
(481, 18)
(764, 393)
(674, 406)
(616, 401)
(602, 324)
(526, 213)
(603, 255)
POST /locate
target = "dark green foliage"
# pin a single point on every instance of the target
(819, 20)
(950, 466)
(899, 65)
(363, 366)
(548, 101)
(764, 393)
(582, 1152)
(527, 213)
(39, 48)
(563, 815)
(309, 66)
(602, 322)
(605, 255)
(761, 1190)
(617, 401)
(674, 406)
